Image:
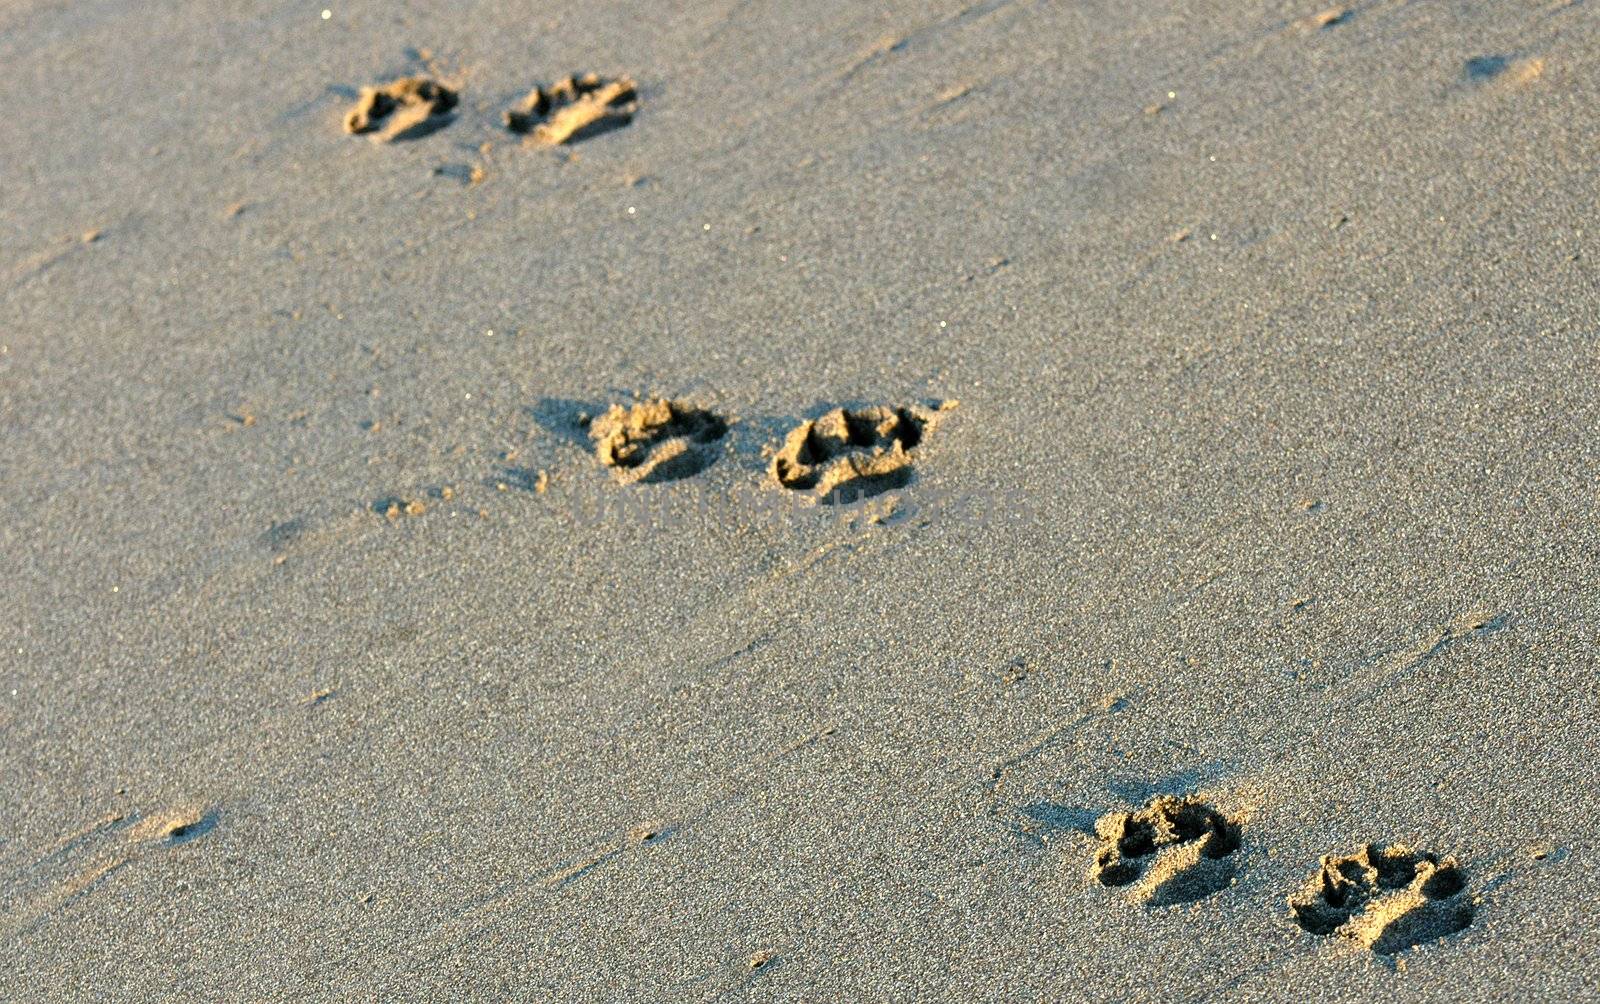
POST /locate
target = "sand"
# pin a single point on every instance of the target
(338, 666)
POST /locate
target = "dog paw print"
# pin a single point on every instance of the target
(1174, 850)
(574, 109)
(1387, 899)
(849, 454)
(657, 440)
(401, 109)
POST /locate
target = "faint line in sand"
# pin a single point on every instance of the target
(486, 911)
(105, 822)
(895, 43)
(1390, 667)
(32, 916)
(1042, 741)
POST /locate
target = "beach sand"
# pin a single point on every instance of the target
(343, 657)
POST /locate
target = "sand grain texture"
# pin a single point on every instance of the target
(1295, 517)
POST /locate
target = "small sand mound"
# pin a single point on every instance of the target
(1505, 70)
(657, 440)
(401, 109)
(1525, 71)
(574, 109)
(172, 827)
(1322, 19)
(1175, 850)
(1386, 899)
(847, 455)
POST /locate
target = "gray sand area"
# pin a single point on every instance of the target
(420, 580)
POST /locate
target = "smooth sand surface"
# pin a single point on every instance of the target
(337, 667)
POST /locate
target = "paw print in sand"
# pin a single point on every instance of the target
(657, 440)
(574, 109)
(401, 109)
(1174, 850)
(1386, 899)
(849, 454)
